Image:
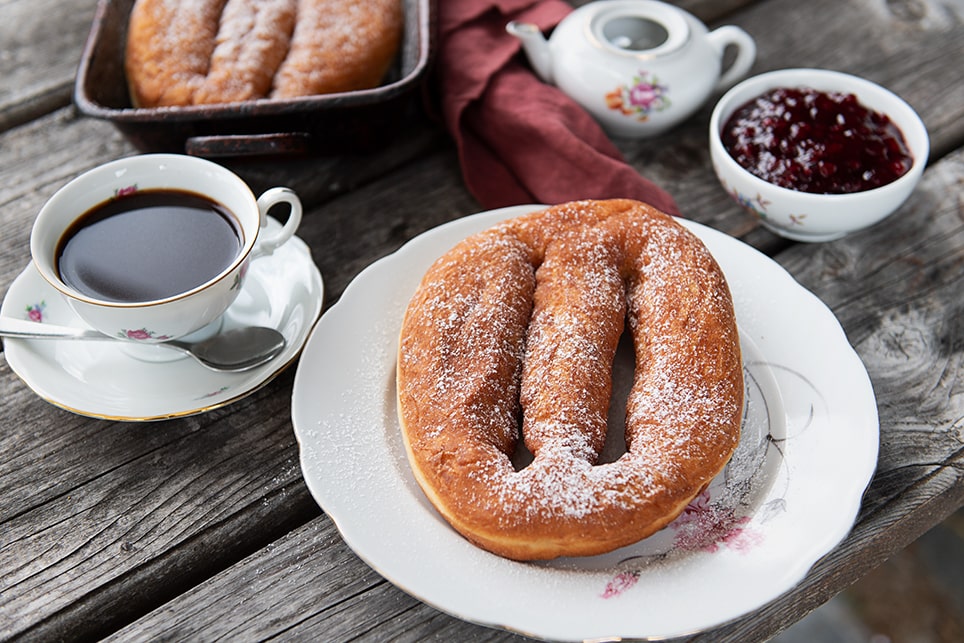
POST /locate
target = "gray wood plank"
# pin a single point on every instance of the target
(40, 45)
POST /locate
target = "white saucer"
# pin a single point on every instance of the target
(98, 379)
(789, 495)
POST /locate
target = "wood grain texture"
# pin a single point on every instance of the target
(202, 527)
(172, 500)
(40, 43)
(38, 158)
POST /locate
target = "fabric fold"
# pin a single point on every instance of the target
(519, 139)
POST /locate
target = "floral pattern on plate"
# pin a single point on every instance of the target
(788, 497)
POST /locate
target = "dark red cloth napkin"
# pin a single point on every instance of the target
(519, 139)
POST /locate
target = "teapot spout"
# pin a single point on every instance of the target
(536, 47)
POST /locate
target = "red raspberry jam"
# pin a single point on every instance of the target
(814, 141)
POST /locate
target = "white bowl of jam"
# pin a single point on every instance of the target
(816, 154)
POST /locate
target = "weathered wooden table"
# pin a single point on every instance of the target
(202, 527)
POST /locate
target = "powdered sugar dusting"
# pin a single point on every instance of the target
(253, 39)
(193, 52)
(462, 376)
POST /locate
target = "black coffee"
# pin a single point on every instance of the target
(148, 245)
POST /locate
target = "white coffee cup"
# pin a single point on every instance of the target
(183, 313)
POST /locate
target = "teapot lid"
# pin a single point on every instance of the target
(641, 29)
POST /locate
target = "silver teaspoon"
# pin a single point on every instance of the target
(240, 349)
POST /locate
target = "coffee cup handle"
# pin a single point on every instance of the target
(265, 245)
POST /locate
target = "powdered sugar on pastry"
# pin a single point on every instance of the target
(195, 52)
(252, 41)
(524, 320)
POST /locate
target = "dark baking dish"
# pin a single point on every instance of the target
(358, 120)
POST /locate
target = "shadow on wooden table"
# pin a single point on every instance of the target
(917, 596)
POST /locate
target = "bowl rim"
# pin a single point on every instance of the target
(911, 125)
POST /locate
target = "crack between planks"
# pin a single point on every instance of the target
(154, 583)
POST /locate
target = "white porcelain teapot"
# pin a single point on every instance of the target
(638, 66)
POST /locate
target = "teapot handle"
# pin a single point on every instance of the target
(745, 53)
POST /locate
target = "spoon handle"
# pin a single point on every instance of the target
(21, 328)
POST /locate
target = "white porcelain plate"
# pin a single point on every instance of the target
(98, 379)
(790, 494)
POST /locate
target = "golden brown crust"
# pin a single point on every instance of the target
(195, 52)
(339, 46)
(528, 314)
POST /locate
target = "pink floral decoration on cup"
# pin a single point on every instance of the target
(141, 334)
(130, 189)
